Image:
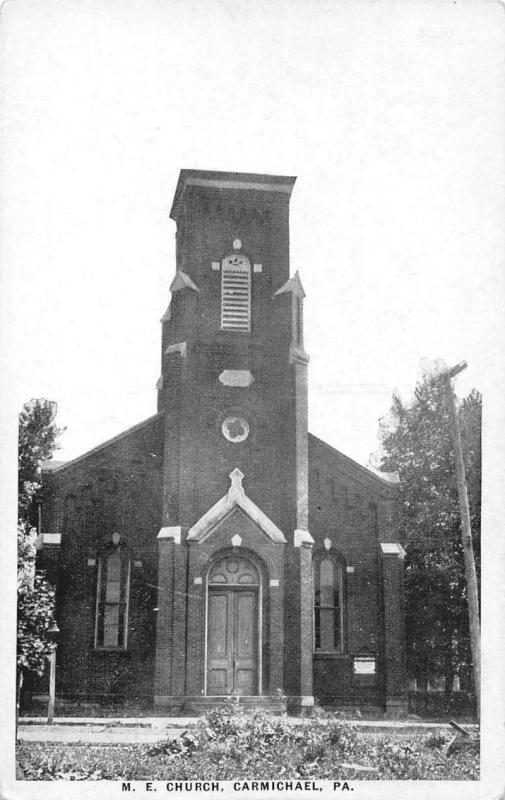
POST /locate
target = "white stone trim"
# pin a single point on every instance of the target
(167, 316)
(236, 377)
(306, 700)
(297, 355)
(47, 540)
(222, 183)
(302, 538)
(303, 700)
(393, 549)
(170, 532)
(234, 498)
(178, 347)
(273, 582)
(182, 281)
(293, 285)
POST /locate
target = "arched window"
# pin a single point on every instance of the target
(328, 605)
(113, 584)
(236, 293)
(234, 570)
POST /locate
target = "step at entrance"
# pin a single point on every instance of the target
(271, 703)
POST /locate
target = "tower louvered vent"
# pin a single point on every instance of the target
(236, 294)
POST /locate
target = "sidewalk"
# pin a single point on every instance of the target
(135, 730)
(95, 734)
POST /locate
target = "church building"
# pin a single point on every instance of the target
(217, 548)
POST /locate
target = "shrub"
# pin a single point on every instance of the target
(227, 744)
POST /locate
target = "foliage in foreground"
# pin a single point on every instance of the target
(228, 745)
(38, 435)
(35, 608)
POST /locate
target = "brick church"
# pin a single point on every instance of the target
(217, 548)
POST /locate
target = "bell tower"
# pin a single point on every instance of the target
(232, 340)
(233, 382)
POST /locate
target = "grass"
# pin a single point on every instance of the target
(227, 745)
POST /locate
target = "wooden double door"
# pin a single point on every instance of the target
(232, 629)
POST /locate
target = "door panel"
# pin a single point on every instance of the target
(245, 644)
(219, 642)
(218, 625)
(232, 644)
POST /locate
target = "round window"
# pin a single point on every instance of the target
(235, 429)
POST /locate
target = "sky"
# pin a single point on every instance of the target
(389, 114)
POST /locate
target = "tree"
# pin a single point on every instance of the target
(38, 435)
(38, 439)
(418, 446)
(35, 608)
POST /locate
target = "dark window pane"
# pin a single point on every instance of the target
(110, 630)
(121, 627)
(327, 627)
(336, 628)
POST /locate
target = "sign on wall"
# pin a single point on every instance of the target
(364, 665)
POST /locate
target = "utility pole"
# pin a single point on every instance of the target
(53, 633)
(466, 531)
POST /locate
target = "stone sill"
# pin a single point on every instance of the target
(106, 650)
(322, 654)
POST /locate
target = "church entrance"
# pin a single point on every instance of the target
(233, 627)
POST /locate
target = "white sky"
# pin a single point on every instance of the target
(390, 114)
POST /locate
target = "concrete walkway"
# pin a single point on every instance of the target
(126, 722)
(135, 730)
(95, 734)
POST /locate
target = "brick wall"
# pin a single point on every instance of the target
(115, 488)
(356, 510)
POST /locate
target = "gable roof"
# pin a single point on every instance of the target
(58, 466)
(389, 483)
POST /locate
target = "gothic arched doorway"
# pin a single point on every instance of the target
(233, 627)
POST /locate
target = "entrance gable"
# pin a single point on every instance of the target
(235, 498)
(237, 530)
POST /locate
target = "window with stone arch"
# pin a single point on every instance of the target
(236, 293)
(328, 603)
(112, 598)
